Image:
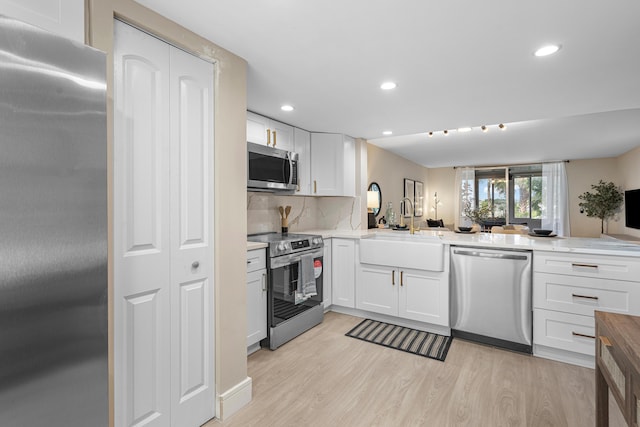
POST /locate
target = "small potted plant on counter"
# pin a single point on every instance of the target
(476, 215)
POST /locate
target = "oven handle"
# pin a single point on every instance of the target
(284, 260)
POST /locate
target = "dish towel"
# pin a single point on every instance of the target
(307, 276)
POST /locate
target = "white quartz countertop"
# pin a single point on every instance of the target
(255, 245)
(498, 241)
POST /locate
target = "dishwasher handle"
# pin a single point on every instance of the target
(481, 254)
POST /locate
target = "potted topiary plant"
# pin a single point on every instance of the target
(603, 203)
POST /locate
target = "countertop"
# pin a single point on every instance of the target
(255, 245)
(500, 241)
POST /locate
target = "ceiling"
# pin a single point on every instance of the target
(462, 63)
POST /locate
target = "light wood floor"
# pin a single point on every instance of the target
(323, 378)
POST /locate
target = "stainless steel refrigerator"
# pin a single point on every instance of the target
(53, 230)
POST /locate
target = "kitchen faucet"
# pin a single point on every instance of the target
(412, 230)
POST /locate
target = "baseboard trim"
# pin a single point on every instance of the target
(414, 324)
(564, 356)
(232, 400)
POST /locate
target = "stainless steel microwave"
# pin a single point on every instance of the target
(271, 169)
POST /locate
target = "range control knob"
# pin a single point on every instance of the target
(317, 241)
(282, 246)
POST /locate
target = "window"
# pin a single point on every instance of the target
(516, 199)
(526, 195)
(491, 188)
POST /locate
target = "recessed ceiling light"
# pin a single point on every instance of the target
(547, 50)
(388, 86)
(464, 129)
(286, 108)
(387, 132)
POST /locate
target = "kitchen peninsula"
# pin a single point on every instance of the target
(572, 277)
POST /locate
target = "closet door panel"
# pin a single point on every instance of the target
(192, 384)
(142, 252)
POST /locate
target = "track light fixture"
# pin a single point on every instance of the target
(483, 128)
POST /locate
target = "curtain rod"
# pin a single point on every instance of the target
(511, 165)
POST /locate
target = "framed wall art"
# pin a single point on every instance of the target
(418, 198)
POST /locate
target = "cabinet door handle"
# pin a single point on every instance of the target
(577, 334)
(274, 138)
(575, 264)
(605, 341)
(393, 277)
(264, 282)
(268, 136)
(401, 280)
(315, 187)
(584, 296)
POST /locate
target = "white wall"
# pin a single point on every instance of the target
(581, 174)
(442, 181)
(389, 171)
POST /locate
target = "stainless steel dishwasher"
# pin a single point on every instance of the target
(491, 297)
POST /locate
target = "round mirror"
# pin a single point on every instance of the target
(375, 205)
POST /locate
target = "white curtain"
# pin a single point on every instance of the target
(462, 194)
(555, 199)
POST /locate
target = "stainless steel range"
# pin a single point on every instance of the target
(295, 271)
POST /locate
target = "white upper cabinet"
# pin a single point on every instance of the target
(63, 17)
(326, 161)
(302, 146)
(333, 165)
(264, 131)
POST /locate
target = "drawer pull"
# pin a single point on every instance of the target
(584, 296)
(574, 264)
(577, 334)
(393, 277)
(605, 341)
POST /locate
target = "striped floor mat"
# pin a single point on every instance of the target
(422, 343)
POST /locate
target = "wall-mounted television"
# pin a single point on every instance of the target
(632, 208)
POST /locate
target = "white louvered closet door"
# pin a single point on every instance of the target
(163, 252)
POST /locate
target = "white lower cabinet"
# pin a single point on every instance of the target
(256, 298)
(327, 294)
(406, 293)
(343, 272)
(567, 289)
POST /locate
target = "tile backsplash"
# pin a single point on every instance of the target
(307, 213)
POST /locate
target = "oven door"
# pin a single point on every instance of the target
(287, 298)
